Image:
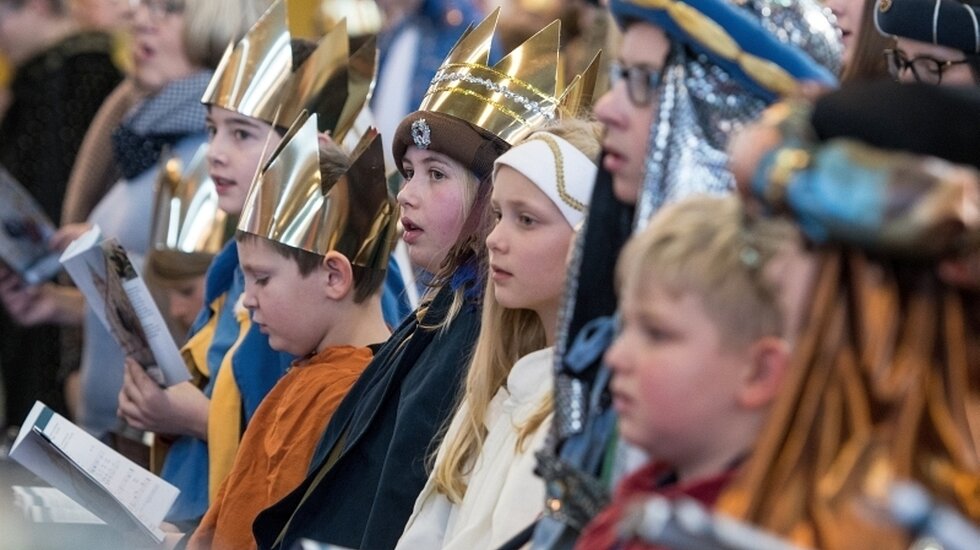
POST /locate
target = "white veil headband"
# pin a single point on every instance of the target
(567, 180)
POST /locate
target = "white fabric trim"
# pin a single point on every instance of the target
(571, 189)
(976, 28)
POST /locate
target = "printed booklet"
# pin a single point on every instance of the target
(24, 233)
(114, 290)
(117, 491)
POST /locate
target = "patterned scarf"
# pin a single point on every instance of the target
(160, 121)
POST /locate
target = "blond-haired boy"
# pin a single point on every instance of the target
(710, 301)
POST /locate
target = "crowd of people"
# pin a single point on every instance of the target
(448, 276)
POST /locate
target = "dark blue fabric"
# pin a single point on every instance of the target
(394, 299)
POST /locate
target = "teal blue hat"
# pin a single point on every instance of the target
(949, 23)
(763, 43)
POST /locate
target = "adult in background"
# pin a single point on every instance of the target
(176, 46)
(62, 75)
(937, 41)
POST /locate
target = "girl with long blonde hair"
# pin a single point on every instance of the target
(483, 491)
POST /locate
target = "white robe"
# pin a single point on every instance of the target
(503, 495)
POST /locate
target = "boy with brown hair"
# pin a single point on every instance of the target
(710, 302)
(313, 242)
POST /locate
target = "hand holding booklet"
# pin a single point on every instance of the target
(114, 290)
(24, 233)
(117, 491)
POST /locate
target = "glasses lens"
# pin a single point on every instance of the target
(927, 70)
(636, 83)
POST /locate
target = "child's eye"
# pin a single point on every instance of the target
(261, 281)
(211, 131)
(525, 220)
(409, 173)
(242, 135)
(496, 215)
(655, 333)
(436, 175)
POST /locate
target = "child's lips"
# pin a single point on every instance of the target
(613, 161)
(620, 401)
(499, 275)
(222, 185)
(412, 231)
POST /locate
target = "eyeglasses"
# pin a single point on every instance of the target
(640, 82)
(925, 69)
(159, 8)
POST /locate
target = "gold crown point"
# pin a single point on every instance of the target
(515, 96)
(361, 69)
(258, 76)
(475, 43)
(580, 93)
(536, 60)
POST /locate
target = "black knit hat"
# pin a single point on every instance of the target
(950, 23)
(940, 121)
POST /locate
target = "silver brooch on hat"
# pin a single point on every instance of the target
(421, 134)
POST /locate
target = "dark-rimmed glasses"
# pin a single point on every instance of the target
(925, 69)
(159, 8)
(640, 81)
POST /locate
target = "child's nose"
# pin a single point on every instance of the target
(495, 240)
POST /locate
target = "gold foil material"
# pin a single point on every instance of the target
(515, 96)
(256, 77)
(186, 215)
(291, 204)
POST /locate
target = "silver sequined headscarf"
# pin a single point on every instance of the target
(702, 105)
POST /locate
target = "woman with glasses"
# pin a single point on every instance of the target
(176, 45)
(937, 41)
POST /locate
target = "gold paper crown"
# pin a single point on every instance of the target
(257, 76)
(290, 202)
(186, 217)
(515, 96)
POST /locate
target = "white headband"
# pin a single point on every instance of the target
(567, 179)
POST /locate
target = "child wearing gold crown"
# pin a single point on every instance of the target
(370, 464)
(230, 358)
(313, 276)
(483, 490)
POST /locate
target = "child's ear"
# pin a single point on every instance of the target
(338, 275)
(769, 361)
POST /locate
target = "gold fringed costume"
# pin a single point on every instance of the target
(885, 381)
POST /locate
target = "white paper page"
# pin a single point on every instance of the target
(91, 473)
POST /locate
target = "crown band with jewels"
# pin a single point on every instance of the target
(514, 97)
(257, 77)
(186, 217)
(473, 112)
(290, 203)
